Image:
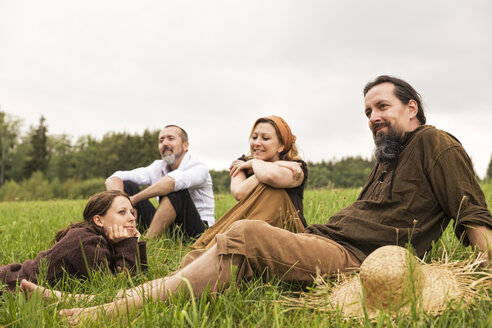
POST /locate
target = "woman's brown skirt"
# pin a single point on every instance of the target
(264, 203)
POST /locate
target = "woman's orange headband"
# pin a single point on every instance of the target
(283, 128)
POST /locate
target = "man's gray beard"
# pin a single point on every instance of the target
(171, 158)
(387, 146)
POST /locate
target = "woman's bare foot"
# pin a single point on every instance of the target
(29, 288)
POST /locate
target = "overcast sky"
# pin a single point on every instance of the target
(98, 66)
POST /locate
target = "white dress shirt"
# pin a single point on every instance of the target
(191, 174)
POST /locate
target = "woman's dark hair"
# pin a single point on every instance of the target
(96, 205)
(403, 91)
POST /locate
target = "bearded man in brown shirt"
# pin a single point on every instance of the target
(423, 178)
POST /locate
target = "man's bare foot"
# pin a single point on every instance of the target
(76, 315)
(72, 315)
(29, 288)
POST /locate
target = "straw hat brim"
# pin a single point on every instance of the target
(443, 282)
(440, 285)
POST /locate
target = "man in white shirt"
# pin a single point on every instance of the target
(182, 183)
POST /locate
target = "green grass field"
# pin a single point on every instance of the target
(27, 228)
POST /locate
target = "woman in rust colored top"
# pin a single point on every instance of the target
(107, 238)
(268, 183)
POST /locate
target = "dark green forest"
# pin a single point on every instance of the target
(37, 165)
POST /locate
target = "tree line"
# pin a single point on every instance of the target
(38, 165)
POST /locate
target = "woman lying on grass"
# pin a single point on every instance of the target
(107, 238)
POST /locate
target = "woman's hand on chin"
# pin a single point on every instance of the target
(117, 233)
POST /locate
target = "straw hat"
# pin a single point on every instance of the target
(392, 279)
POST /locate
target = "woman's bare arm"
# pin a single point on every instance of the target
(282, 174)
(240, 184)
